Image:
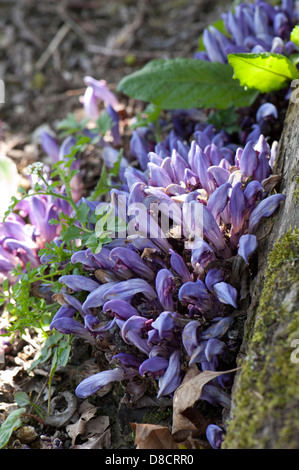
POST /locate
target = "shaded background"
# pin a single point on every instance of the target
(46, 48)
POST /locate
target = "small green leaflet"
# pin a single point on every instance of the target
(11, 423)
(295, 35)
(186, 83)
(265, 72)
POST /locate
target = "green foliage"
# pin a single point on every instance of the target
(11, 423)
(265, 72)
(150, 115)
(106, 180)
(295, 35)
(225, 119)
(29, 301)
(70, 125)
(187, 83)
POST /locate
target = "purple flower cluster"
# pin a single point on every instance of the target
(257, 27)
(25, 232)
(167, 293)
(168, 305)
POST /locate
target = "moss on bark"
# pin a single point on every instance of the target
(265, 411)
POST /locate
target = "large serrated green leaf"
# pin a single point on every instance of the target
(186, 83)
(265, 72)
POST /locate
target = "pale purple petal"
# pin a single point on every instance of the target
(120, 308)
(171, 379)
(154, 364)
(264, 209)
(69, 326)
(189, 337)
(237, 207)
(226, 293)
(248, 160)
(247, 246)
(78, 283)
(50, 145)
(94, 325)
(178, 265)
(133, 261)
(90, 103)
(93, 383)
(164, 286)
(213, 276)
(217, 330)
(101, 91)
(164, 324)
(218, 200)
(214, 347)
(215, 435)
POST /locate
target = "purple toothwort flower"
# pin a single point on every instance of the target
(215, 435)
(101, 91)
(93, 383)
(164, 286)
(247, 246)
(264, 209)
(171, 379)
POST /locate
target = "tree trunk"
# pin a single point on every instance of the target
(265, 397)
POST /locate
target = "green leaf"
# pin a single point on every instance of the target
(105, 123)
(295, 35)
(11, 423)
(21, 398)
(225, 119)
(53, 222)
(82, 213)
(265, 72)
(71, 233)
(102, 185)
(187, 83)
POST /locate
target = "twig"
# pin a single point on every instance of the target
(54, 44)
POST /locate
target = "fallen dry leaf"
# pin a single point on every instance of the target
(153, 436)
(94, 430)
(184, 399)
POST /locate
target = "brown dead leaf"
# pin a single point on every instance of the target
(94, 430)
(185, 397)
(153, 436)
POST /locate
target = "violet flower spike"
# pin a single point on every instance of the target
(189, 337)
(237, 207)
(50, 145)
(171, 379)
(155, 365)
(78, 283)
(247, 246)
(248, 160)
(178, 265)
(93, 383)
(164, 287)
(215, 436)
(120, 308)
(226, 293)
(101, 91)
(264, 209)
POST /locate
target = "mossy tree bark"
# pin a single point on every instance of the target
(265, 398)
